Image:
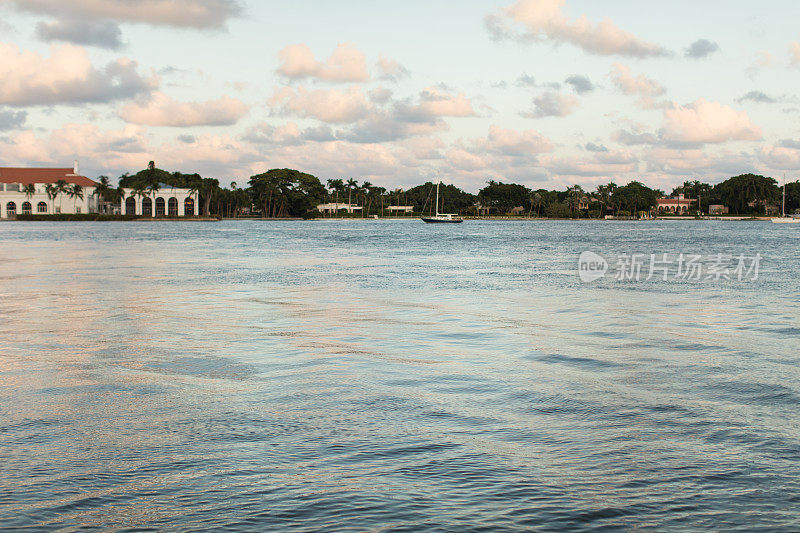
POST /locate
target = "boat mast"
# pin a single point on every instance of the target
(437, 198)
(784, 195)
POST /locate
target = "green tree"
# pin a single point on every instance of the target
(76, 193)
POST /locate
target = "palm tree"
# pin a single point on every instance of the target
(62, 187)
(52, 192)
(351, 184)
(153, 189)
(575, 195)
(139, 190)
(75, 192)
(336, 186)
(29, 190)
(536, 200)
(365, 190)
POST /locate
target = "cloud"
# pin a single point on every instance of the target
(332, 106)
(780, 157)
(763, 60)
(701, 49)
(104, 34)
(633, 85)
(12, 120)
(544, 19)
(434, 102)
(402, 119)
(346, 64)
(66, 77)
(552, 104)
(609, 165)
(510, 142)
(592, 147)
(629, 138)
(391, 70)
(161, 110)
(580, 84)
(180, 13)
(794, 54)
(789, 143)
(708, 122)
(757, 96)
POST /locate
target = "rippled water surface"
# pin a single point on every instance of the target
(393, 376)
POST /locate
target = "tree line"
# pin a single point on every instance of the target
(282, 193)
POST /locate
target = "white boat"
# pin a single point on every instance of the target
(441, 218)
(784, 219)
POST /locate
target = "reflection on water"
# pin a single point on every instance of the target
(393, 376)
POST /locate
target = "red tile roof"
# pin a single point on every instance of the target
(26, 176)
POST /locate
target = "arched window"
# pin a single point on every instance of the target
(41, 208)
(11, 209)
(26, 208)
(172, 204)
(147, 207)
(160, 207)
(130, 205)
(188, 207)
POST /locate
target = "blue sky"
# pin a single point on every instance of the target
(547, 93)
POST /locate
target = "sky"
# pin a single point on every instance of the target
(547, 93)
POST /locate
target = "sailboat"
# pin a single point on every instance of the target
(441, 218)
(785, 219)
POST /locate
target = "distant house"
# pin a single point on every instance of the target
(717, 209)
(24, 191)
(679, 205)
(401, 208)
(335, 208)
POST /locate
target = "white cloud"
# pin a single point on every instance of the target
(346, 64)
(180, 13)
(545, 19)
(333, 106)
(794, 54)
(161, 110)
(514, 143)
(66, 77)
(435, 102)
(631, 84)
(780, 157)
(708, 122)
(552, 104)
(391, 69)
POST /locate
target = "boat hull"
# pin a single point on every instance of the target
(787, 220)
(435, 220)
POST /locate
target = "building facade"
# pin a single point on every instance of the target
(166, 201)
(679, 205)
(34, 191)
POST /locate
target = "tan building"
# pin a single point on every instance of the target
(679, 205)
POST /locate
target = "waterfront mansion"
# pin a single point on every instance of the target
(25, 191)
(44, 191)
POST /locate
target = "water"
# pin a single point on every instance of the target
(393, 376)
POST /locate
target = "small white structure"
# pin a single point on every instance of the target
(401, 208)
(24, 191)
(165, 201)
(335, 208)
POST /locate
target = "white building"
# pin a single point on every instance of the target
(335, 208)
(166, 201)
(24, 191)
